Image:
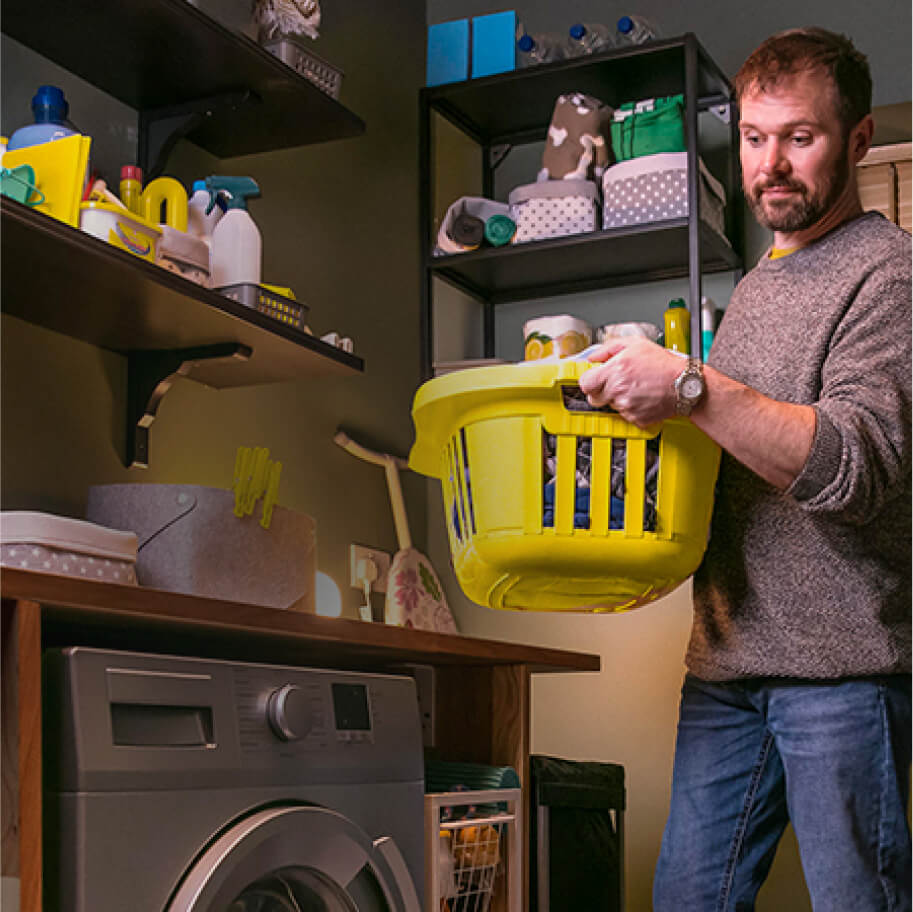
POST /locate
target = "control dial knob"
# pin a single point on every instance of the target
(288, 713)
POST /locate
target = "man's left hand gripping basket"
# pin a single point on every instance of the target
(552, 505)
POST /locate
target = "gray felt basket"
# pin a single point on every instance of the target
(190, 541)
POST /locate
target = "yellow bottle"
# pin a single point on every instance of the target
(677, 322)
(131, 188)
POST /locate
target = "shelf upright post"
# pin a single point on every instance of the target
(425, 192)
(694, 199)
(488, 308)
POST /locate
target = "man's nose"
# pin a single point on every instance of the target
(773, 160)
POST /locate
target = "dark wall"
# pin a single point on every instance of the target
(339, 225)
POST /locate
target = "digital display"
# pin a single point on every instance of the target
(350, 707)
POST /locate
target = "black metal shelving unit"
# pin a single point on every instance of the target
(187, 76)
(515, 108)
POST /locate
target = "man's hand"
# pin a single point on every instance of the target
(636, 378)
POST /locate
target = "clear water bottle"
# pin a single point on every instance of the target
(635, 30)
(540, 48)
(589, 38)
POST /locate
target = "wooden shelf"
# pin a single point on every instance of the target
(66, 280)
(583, 262)
(163, 54)
(82, 612)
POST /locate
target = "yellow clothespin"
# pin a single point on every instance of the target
(241, 478)
(258, 479)
(272, 493)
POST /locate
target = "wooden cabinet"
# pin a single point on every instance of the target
(482, 687)
(885, 182)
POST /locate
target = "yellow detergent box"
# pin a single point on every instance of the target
(120, 227)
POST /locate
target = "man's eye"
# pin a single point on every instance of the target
(801, 139)
(751, 139)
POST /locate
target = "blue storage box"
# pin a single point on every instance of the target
(448, 52)
(494, 41)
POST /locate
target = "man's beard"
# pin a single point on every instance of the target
(803, 211)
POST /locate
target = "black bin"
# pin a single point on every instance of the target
(576, 849)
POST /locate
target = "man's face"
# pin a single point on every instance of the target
(795, 163)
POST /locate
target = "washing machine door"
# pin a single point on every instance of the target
(297, 859)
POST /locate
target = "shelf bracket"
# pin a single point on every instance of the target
(150, 375)
(161, 128)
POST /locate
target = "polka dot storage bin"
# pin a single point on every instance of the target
(554, 208)
(66, 547)
(654, 188)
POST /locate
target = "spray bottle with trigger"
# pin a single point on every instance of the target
(236, 244)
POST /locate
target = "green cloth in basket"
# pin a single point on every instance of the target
(649, 127)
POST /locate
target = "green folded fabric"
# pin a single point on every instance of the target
(650, 132)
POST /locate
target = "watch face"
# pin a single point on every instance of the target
(692, 387)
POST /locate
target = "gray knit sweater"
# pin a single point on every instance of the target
(814, 582)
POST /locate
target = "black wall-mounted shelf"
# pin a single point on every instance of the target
(62, 279)
(158, 56)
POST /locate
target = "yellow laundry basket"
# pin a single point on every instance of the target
(499, 437)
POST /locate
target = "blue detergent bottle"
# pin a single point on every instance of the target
(50, 109)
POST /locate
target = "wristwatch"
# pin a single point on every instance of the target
(690, 387)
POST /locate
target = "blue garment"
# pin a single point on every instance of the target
(832, 757)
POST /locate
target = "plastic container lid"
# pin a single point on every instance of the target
(677, 302)
(49, 105)
(198, 185)
(625, 25)
(131, 172)
(28, 528)
(526, 43)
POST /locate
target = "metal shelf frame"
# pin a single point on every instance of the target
(515, 108)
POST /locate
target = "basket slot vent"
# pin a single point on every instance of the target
(464, 452)
(453, 509)
(599, 483)
(566, 481)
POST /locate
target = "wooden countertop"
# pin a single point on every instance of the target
(83, 612)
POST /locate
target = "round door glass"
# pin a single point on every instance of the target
(290, 859)
(303, 890)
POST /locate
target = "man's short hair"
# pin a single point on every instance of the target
(795, 51)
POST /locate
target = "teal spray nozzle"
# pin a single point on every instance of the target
(233, 191)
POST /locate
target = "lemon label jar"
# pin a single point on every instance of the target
(561, 335)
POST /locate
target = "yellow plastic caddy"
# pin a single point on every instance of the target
(480, 431)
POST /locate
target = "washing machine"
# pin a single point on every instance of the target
(188, 785)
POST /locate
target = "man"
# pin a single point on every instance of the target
(796, 704)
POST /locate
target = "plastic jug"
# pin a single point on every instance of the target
(201, 221)
(236, 247)
(171, 193)
(50, 109)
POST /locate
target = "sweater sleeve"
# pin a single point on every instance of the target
(860, 455)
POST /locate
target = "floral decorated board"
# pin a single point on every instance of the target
(415, 597)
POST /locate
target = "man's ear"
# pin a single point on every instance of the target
(861, 138)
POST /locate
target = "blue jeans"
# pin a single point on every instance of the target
(832, 757)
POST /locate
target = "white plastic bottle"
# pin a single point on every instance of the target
(635, 30)
(589, 38)
(540, 48)
(199, 223)
(236, 248)
(708, 324)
